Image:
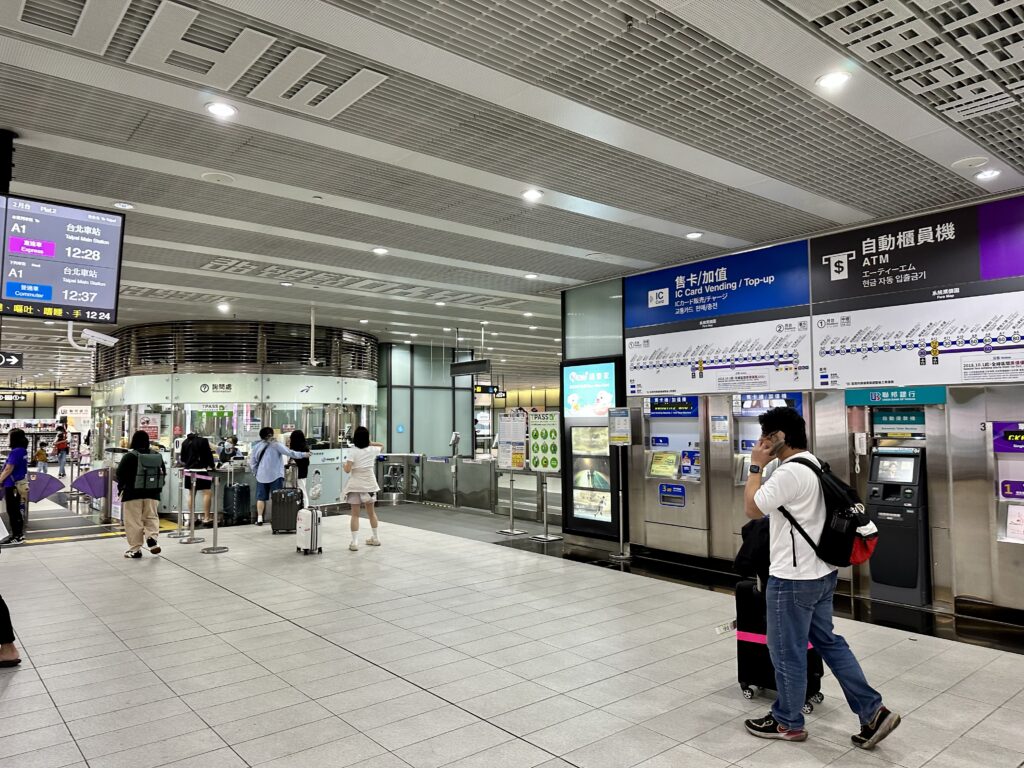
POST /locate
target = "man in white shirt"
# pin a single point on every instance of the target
(801, 587)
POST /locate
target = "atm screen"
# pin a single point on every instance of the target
(895, 469)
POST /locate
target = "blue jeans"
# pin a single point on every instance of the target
(798, 612)
(62, 458)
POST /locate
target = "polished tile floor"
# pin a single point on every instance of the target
(428, 651)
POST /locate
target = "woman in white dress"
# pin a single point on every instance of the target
(362, 484)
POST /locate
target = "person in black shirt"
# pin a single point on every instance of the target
(139, 507)
(297, 442)
(197, 456)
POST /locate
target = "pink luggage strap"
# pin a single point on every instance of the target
(753, 637)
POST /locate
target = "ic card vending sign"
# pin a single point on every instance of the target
(60, 261)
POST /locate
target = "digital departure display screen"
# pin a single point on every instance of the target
(895, 469)
(60, 262)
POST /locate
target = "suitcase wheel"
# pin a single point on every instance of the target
(298, 549)
(807, 708)
(273, 532)
(817, 698)
(748, 691)
(319, 550)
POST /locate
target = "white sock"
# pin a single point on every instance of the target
(355, 537)
(374, 530)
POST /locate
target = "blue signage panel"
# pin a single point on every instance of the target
(672, 407)
(925, 395)
(768, 278)
(756, 403)
(588, 390)
(672, 494)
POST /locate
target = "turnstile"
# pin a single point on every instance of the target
(399, 477)
(438, 480)
(477, 483)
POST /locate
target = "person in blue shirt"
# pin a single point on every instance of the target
(267, 462)
(13, 478)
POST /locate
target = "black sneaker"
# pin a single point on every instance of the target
(154, 549)
(18, 540)
(259, 522)
(767, 728)
(136, 555)
(882, 724)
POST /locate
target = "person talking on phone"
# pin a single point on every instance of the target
(800, 588)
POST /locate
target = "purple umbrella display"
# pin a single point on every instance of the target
(41, 486)
(92, 483)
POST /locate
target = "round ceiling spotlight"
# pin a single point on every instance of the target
(533, 327)
(532, 195)
(123, 205)
(48, 322)
(221, 110)
(695, 236)
(503, 360)
(287, 285)
(407, 342)
(969, 163)
(988, 174)
(527, 314)
(414, 335)
(446, 329)
(224, 307)
(381, 251)
(217, 177)
(833, 81)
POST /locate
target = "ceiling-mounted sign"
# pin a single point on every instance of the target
(470, 367)
(60, 261)
(13, 397)
(12, 359)
(931, 300)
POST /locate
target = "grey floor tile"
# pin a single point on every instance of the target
(812, 753)
(252, 707)
(394, 736)
(347, 681)
(368, 695)
(543, 714)
(115, 702)
(504, 700)
(577, 732)
(448, 673)
(612, 689)
(454, 745)
(66, 755)
(138, 735)
(218, 758)
(731, 742)
(509, 754)
(650, 703)
(576, 677)
(622, 750)
(691, 720)
(970, 752)
(350, 751)
(293, 740)
(160, 753)
(392, 710)
(130, 717)
(29, 741)
(477, 685)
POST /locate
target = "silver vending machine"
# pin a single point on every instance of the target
(669, 482)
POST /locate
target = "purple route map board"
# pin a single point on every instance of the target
(60, 262)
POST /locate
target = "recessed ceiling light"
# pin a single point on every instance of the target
(533, 327)
(123, 205)
(485, 322)
(364, 322)
(556, 339)
(695, 236)
(833, 80)
(48, 322)
(381, 251)
(494, 333)
(221, 109)
(527, 314)
(490, 349)
(988, 174)
(530, 276)
(407, 342)
(224, 307)
(503, 360)
(287, 285)
(414, 334)
(462, 338)
(446, 329)
(616, 296)
(439, 304)
(532, 195)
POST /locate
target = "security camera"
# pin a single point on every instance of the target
(95, 337)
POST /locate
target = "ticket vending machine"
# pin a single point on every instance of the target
(675, 509)
(897, 503)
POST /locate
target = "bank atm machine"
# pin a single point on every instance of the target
(675, 509)
(897, 502)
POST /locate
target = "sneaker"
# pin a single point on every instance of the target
(18, 540)
(767, 728)
(353, 547)
(133, 554)
(153, 548)
(259, 522)
(373, 542)
(882, 724)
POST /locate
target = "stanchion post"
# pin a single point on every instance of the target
(180, 533)
(192, 538)
(622, 556)
(512, 530)
(214, 550)
(546, 537)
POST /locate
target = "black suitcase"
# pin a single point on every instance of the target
(284, 508)
(754, 663)
(237, 506)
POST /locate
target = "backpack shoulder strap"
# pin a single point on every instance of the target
(807, 463)
(799, 528)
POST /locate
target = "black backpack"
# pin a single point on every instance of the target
(150, 473)
(840, 544)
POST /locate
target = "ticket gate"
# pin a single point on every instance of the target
(897, 503)
(398, 475)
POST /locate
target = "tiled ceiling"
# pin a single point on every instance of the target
(639, 126)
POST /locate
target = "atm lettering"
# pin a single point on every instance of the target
(871, 261)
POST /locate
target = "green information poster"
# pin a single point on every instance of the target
(545, 442)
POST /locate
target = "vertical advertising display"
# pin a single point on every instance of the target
(937, 299)
(733, 324)
(588, 390)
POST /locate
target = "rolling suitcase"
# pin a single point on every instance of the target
(307, 532)
(754, 663)
(284, 508)
(237, 507)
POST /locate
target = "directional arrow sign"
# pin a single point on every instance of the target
(12, 359)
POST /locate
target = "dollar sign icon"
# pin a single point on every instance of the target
(839, 266)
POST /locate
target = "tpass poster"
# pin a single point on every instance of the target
(765, 279)
(931, 300)
(748, 357)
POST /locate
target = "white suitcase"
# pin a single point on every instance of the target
(307, 531)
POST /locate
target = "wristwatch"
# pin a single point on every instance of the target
(755, 469)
